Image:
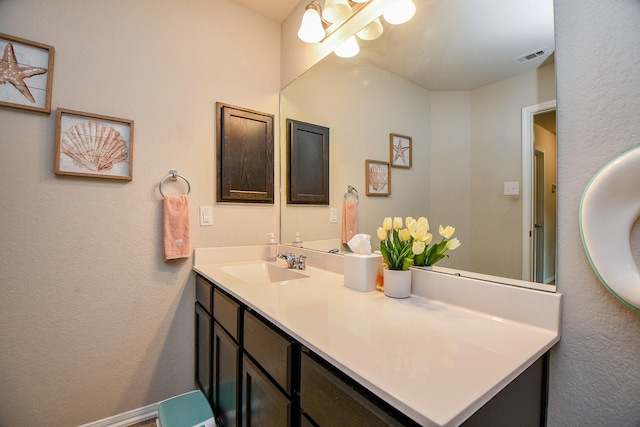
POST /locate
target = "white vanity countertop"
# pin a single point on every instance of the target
(435, 361)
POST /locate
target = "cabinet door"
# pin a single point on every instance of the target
(203, 351)
(226, 369)
(262, 403)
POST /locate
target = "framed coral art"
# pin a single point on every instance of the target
(26, 74)
(93, 145)
(400, 150)
(378, 178)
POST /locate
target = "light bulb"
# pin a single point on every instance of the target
(311, 30)
(399, 11)
(348, 49)
(336, 10)
(372, 31)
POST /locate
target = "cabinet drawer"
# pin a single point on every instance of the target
(226, 312)
(330, 401)
(272, 350)
(204, 293)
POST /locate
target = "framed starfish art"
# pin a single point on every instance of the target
(400, 150)
(26, 74)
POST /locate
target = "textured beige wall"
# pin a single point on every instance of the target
(450, 178)
(496, 129)
(595, 369)
(92, 322)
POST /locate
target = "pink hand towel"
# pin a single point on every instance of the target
(349, 221)
(176, 227)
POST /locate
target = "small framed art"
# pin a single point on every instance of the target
(26, 74)
(93, 145)
(378, 178)
(400, 150)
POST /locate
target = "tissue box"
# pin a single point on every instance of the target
(361, 271)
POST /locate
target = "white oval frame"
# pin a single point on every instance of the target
(609, 207)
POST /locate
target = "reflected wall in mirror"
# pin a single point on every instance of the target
(465, 120)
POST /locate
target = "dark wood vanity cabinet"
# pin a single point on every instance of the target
(244, 366)
(254, 374)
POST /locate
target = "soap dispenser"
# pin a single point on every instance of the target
(271, 249)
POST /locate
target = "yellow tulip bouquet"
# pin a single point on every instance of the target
(402, 248)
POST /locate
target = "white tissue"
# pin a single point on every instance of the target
(360, 244)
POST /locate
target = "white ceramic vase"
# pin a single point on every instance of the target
(397, 283)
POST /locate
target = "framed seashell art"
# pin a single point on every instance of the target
(26, 74)
(92, 145)
(378, 178)
(400, 153)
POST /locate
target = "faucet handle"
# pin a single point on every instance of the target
(301, 262)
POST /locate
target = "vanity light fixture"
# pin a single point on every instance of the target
(348, 49)
(335, 23)
(336, 11)
(311, 29)
(372, 31)
(399, 11)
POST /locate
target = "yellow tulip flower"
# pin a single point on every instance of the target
(418, 247)
(447, 232)
(453, 243)
(397, 223)
(404, 235)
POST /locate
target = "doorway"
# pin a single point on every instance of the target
(539, 159)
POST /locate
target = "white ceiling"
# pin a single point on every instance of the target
(277, 10)
(453, 44)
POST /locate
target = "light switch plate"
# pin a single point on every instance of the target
(333, 215)
(511, 188)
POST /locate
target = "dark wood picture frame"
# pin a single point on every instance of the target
(30, 68)
(93, 145)
(400, 150)
(307, 163)
(378, 178)
(244, 155)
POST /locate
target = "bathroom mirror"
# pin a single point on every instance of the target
(455, 79)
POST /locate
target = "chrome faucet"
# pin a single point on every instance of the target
(292, 262)
(290, 258)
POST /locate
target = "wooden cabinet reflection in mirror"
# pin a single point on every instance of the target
(307, 163)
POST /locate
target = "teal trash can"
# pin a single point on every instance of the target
(186, 410)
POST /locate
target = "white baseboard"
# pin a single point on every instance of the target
(127, 418)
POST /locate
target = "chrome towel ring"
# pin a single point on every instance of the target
(173, 177)
(351, 190)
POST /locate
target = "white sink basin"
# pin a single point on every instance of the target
(262, 273)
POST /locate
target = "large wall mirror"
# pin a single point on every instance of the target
(457, 79)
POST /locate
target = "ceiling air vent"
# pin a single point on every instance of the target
(532, 55)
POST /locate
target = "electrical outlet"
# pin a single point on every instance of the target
(206, 215)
